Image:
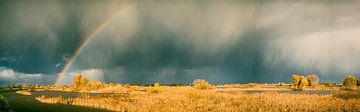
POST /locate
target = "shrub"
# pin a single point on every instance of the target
(157, 85)
(81, 83)
(156, 88)
(95, 84)
(4, 107)
(201, 84)
(127, 86)
(350, 81)
(299, 82)
(312, 79)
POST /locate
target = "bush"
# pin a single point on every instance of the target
(95, 84)
(299, 82)
(201, 84)
(81, 83)
(350, 81)
(156, 88)
(312, 79)
(127, 86)
(4, 105)
(157, 85)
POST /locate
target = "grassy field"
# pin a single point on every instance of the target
(229, 99)
(200, 97)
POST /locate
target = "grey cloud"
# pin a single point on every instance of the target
(9, 76)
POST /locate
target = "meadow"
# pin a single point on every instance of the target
(183, 99)
(199, 97)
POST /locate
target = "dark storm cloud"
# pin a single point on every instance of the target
(37, 32)
(179, 41)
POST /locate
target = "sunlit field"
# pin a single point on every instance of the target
(189, 99)
(200, 96)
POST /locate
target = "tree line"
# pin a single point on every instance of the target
(300, 82)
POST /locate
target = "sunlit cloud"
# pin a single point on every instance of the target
(91, 74)
(327, 51)
(9, 76)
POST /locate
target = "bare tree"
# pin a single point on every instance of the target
(312, 79)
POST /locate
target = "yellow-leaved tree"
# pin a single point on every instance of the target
(299, 82)
(80, 82)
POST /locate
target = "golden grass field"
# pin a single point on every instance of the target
(203, 97)
(187, 98)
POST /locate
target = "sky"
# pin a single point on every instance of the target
(175, 42)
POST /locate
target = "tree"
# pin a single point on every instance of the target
(312, 79)
(295, 80)
(299, 82)
(350, 81)
(84, 81)
(80, 82)
(77, 81)
(302, 84)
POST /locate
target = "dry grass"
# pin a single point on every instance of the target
(114, 89)
(24, 92)
(51, 99)
(209, 100)
(347, 94)
(155, 89)
(202, 84)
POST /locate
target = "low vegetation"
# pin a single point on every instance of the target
(4, 105)
(203, 101)
(24, 92)
(201, 84)
(347, 94)
(156, 88)
(203, 97)
(81, 83)
(350, 81)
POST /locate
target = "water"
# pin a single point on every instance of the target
(24, 103)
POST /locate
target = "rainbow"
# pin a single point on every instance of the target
(88, 39)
